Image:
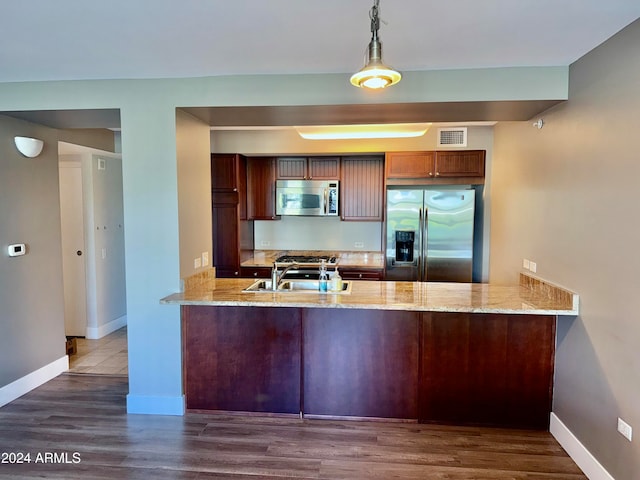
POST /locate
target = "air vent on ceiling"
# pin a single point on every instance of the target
(452, 137)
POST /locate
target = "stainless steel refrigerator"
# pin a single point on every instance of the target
(430, 234)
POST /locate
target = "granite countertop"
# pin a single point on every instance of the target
(357, 259)
(532, 296)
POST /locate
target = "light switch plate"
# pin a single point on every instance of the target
(205, 259)
(533, 266)
(625, 429)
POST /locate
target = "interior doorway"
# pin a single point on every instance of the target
(73, 249)
(92, 231)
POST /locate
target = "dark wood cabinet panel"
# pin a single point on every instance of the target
(230, 230)
(437, 168)
(308, 168)
(292, 168)
(487, 369)
(324, 168)
(242, 359)
(261, 195)
(361, 363)
(362, 188)
(229, 174)
(255, 272)
(224, 172)
(226, 239)
(410, 164)
(467, 163)
(361, 274)
(451, 368)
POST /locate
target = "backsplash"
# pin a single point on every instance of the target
(317, 233)
(564, 297)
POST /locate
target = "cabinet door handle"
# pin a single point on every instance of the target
(360, 275)
(437, 174)
(431, 174)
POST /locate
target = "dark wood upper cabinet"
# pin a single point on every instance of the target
(261, 183)
(225, 172)
(324, 168)
(292, 168)
(229, 174)
(468, 163)
(308, 168)
(362, 188)
(410, 164)
(437, 167)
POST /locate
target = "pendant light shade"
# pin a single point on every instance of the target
(375, 74)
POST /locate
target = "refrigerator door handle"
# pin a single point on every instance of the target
(421, 258)
(424, 252)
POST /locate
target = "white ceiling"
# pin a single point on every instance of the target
(89, 39)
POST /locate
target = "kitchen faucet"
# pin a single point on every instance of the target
(276, 279)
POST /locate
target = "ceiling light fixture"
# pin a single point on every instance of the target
(351, 132)
(375, 74)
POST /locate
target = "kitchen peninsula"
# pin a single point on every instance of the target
(432, 352)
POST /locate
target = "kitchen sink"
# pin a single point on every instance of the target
(293, 286)
(259, 286)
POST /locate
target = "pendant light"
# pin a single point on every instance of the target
(375, 74)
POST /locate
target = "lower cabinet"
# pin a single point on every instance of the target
(242, 359)
(360, 363)
(255, 272)
(361, 274)
(487, 369)
(450, 368)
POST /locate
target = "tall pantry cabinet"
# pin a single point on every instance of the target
(230, 227)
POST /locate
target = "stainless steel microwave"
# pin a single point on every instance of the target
(307, 197)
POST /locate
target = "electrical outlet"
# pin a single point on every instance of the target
(265, 243)
(205, 259)
(625, 429)
(359, 245)
(533, 266)
(197, 262)
(104, 253)
(525, 264)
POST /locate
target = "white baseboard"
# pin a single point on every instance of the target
(23, 385)
(154, 405)
(577, 451)
(94, 333)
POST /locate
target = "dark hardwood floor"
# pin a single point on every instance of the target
(82, 419)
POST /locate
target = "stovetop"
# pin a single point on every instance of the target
(307, 259)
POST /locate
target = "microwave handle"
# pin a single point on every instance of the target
(326, 201)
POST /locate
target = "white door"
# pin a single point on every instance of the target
(73, 249)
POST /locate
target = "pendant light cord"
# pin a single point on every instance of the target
(375, 17)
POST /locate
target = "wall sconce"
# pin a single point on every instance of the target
(29, 147)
